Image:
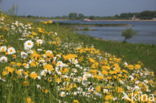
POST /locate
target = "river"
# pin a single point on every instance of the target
(146, 30)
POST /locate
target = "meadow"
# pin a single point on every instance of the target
(42, 62)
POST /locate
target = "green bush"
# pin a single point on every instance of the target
(128, 33)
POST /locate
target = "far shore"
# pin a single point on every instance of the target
(102, 20)
(123, 20)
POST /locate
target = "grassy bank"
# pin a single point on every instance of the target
(129, 52)
(49, 63)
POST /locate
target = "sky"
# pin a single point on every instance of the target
(88, 7)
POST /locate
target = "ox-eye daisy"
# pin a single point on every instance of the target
(3, 59)
(24, 55)
(3, 49)
(39, 41)
(28, 45)
(11, 50)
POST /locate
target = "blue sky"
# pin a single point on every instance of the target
(87, 7)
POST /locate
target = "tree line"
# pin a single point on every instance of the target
(139, 15)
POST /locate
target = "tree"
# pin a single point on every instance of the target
(147, 14)
(128, 33)
(72, 15)
(92, 17)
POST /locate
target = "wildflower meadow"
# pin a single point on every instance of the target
(37, 66)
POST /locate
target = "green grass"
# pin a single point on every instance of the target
(131, 53)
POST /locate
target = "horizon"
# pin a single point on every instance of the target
(53, 8)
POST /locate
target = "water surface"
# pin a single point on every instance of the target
(146, 30)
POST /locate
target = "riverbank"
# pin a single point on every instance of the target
(91, 25)
(124, 20)
(129, 52)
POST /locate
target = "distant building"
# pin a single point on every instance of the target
(134, 18)
(87, 19)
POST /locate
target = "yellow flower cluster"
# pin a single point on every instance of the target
(47, 22)
(69, 56)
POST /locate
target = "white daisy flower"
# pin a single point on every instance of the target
(105, 91)
(39, 41)
(39, 49)
(38, 86)
(62, 94)
(49, 52)
(43, 73)
(24, 55)
(11, 50)
(3, 59)
(61, 64)
(28, 45)
(56, 33)
(26, 66)
(3, 49)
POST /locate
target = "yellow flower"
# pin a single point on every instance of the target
(40, 30)
(49, 21)
(45, 91)
(98, 88)
(104, 72)
(29, 100)
(4, 73)
(25, 83)
(119, 90)
(117, 60)
(108, 97)
(13, 63)
(106, 67)
(33, 75)
(131, 67)
(19, 72)
(9, 69)
(48, 67)
(99, 77)
(93, 71)
(58, 80)
(19, 64)
(35, 56)
(33, 33)
(137, 66)
(95, 65)
(24, 64)
(76, 101)
(92, 60)
(65, 70)
(33, 64)
(26, 73)
(69, 56)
